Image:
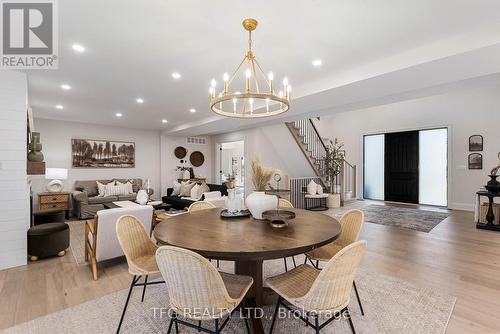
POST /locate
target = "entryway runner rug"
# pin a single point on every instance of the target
(409, 218)
(391, 306)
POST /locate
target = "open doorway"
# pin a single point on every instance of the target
(232, 163)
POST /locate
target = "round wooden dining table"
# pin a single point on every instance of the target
(247, 241)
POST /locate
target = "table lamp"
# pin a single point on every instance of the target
(56, 175)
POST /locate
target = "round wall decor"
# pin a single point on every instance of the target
(180, 152)
(197, 158)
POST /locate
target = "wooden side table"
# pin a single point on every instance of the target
(60, 200)
(490, 217)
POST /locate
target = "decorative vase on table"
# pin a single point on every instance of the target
(493, 185)
(142, 197)
(258, 202)
(312, 188)
(186, 174)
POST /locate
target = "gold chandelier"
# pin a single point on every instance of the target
(250, 101)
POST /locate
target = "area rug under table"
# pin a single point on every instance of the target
(391, 306)
(413, 219)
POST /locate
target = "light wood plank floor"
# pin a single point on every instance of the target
(454, 258)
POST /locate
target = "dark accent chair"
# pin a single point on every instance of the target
(178, 203)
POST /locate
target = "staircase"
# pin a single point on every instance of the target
(313, 147)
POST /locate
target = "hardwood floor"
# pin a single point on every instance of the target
(454, 258)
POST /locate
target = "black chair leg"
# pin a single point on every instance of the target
(275, 315)
(176, 328)
(144, 288)
(218, 263)
(286, 267)
(246, 326)
(126, 303)
(294, 264)
(316, 323)
(305, 260)
(350, 321)
(199, 325)
(217, 326)
(170, 325)
(357, 296)
(317, 264)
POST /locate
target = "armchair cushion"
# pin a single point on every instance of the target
(108, 246)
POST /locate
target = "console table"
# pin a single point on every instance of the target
(490, 217)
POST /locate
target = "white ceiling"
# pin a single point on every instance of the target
(370, 50)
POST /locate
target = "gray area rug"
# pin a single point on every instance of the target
(413, 219)
(77, 240)
(391, 306)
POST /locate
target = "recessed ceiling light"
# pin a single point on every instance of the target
(78, 47)
(65, 87)
(176, 75)
(192, 110)
(118, 114)
(317, 62)
(164, 121)
(60, 107)
(139, 100)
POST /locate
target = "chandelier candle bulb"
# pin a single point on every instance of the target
(234, 105)
(251, 105)
(267, 105)
(226, 79)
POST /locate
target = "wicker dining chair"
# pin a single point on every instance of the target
(207, 294)
(319, 292)
(352, 222)
(201, 205)
(283, 203)
(139, 251)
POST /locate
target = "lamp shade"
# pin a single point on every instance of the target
(56, 173)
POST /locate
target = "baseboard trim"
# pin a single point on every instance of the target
(462, 206)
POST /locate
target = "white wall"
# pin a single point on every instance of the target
(56, 139)
(14, 197)
(275, 147)
(465, 112)
(169, 162)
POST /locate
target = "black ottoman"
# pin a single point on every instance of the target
(48, 239)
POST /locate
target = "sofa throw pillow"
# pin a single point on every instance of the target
(204, 188)
(195, 192)
(101, 189)
(186, 188)
(124, 188)
(212, 194)
(177, 189)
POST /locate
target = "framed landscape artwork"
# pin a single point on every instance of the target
(476, 143)
(475, 161)
(88, 153)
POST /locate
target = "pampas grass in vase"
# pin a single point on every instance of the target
(258, 202)
(261, 175)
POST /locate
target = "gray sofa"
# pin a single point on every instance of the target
(85, 200)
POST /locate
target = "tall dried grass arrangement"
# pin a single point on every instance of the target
(261, 175)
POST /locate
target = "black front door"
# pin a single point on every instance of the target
(401, 167)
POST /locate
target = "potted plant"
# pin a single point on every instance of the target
(258, 202)
(332, 167)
